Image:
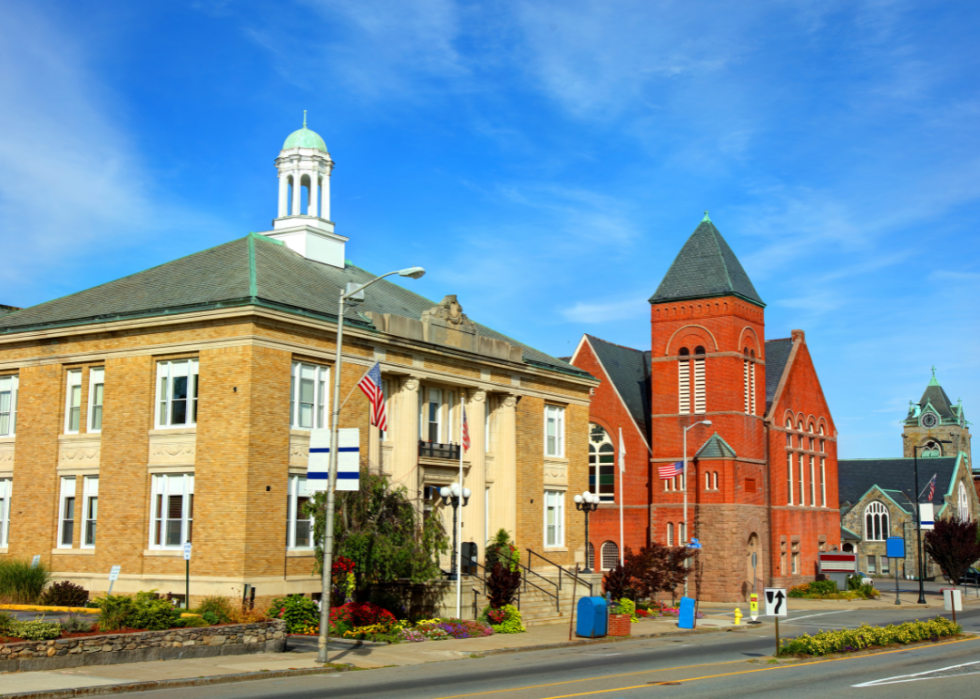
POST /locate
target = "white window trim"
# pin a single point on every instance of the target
(442, 414)
(96, 377)
(602, 555)
(73, 380)
(823, 482)
(559, 497)
(789, 465)
(295, 483)
(877, 509)
(6, 485)
(67, 491)
(670, 533)
(813, 482)
(321, 396)
(10, 383)
(158, 479)
(700, 386)
(684, 385)
(164, 370)
(559, 416)
(90, 489)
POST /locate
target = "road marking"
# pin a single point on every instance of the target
(810, 616)
(918, 676)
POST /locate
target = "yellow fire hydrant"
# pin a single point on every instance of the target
(738, 616)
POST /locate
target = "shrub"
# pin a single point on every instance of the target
(616, 583)
(848, 640)
(823, 587)
(21, 583)
(114, 610)
(500, 549)
(297, 611)
(219, 608)
(625, 606)
(72, 624)
(6, 620)
(511, 622)
(64, 594)
(353, 615)
(37, 630)
(153, 613)
(193, 621)
(502, 585)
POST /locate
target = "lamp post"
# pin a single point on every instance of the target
(453, 495)
(918, 516)
(587, 503)
(352, 290)
(706, 423)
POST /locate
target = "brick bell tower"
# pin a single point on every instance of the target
(708, 364)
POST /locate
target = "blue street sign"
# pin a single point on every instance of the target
(895, 547)
(695, 544)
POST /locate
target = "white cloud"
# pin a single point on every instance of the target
(633, 309)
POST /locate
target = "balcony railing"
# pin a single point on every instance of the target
(434, 450)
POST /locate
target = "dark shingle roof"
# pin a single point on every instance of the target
(250, 270)
(705, 267)
(629, 370)
(855, 477)
(777, 357)
(715, 448)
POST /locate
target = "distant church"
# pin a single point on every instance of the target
(762, 477)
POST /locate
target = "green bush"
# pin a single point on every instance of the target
(625, 606)
(219, 608)
(64, 594)
(511, 622)
(72, 624)
(297, 611)
(866, 636)
(153, 613)
(6, 620)
(114, 611)
(193, 621)
(37, 630)
(20, 583)
(823, 587)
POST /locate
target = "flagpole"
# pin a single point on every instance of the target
(622, 497)
(459, 524)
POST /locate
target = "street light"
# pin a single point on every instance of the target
(452, 496)
(706, 423)
(918, 514)
(587, 503)
(351, 290)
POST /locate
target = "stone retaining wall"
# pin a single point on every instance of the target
(110, 649)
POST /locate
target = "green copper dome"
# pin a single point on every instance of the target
(305, 138)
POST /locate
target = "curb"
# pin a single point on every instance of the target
(36, 608)
(171, 684)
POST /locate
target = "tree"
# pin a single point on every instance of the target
(617, 583)
(382, 531)
(502, 585)
(657, 568)
(953, 545)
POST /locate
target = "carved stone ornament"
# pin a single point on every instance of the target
(412, 384)
(510, 401)
(479, 396)
(450, 311)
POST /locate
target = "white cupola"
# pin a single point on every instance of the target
(303, 223)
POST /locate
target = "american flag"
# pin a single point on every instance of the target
(668, 471)
(932, 486)
(370, 383)
(466, 432)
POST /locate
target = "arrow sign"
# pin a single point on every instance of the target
(776, 601)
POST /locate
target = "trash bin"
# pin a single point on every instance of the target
(592, 617)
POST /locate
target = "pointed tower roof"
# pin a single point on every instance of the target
(935, 397)
(705, 267)
(715, 448)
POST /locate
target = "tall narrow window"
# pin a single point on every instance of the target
(876, 522)
(554, 420)
(172, 510)
(4, 511)
(684, 382)
(73, 401)
(707, 481)
(714, 477)
(66, 514)
(602, 467)
(670, 533)
(789, 473)
(682, 534)
(386, 390)
(700, 397)
(802, 479)
(452, 430)
(177, 393)
(430, 422)
(308, 397)
(8, 406)
(752, 382)
(610, 555)
(96, 391)
(813, 483)
(554, 518)
(591, 554)
(823, 482)
(299, 534)
(745, 379)
(90, 510)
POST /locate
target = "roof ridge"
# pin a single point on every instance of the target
(614, 344)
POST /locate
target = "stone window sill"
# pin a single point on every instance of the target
(73, 552)
(3, 550)
(556, 549)
(177, 429)
(300, 553)
(163, 553)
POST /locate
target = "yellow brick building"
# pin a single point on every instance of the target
(176, 405)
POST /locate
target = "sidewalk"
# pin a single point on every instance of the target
(236, 668)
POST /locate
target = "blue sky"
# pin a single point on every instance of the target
(543, 160)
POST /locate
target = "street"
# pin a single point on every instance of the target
(734, 664)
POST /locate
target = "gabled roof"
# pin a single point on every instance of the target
(935, 396)
(855, 477)
(629, 371)
(847, 535)
(254, 270)
(777, 359)
(715, 448)
(705, 267)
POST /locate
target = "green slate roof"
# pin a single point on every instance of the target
(254, 270)
(935, 397)
(304, 138)
(629, 371)
(705, 267)
(715, 448)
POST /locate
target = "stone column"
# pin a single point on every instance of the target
(314, 192)
(326, 193)
(283, 193)
(404, 425)
(476, 479)
(297, 189)
(504, 499)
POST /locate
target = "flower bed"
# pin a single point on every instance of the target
(850, 640)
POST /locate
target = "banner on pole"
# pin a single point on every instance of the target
(348, 460)
(927, 519)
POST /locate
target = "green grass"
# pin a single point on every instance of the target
(20, 583)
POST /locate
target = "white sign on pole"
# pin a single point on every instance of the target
(348, 460)
(187, 551)
(953, 600)
(775, 598)
(36, 561)
(114, 573)
(927, 519)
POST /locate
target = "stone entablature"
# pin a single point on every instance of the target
(176, 447)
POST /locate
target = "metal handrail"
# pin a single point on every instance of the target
(560, 570)
(527, 582)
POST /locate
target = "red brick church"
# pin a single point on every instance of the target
(762, 477)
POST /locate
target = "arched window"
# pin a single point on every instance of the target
(931, 449)
(963, 503)
(602, 464)
(610, 555)
(684, 381)
(700, 398)
(715, 479)
(746, 380)
(670, 533)
(591, 557)
(876, 522)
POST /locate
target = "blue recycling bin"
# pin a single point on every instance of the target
(685, 614)
(593, 617)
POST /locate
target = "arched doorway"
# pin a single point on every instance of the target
(753, 564)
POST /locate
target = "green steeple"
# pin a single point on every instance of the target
(305, 138)
(706, 267)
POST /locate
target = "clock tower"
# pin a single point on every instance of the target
(936, 418)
